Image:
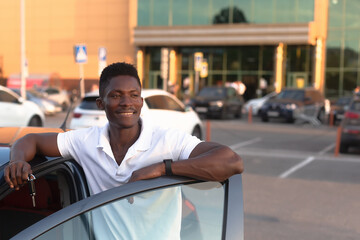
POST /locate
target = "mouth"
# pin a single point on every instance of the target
(125, 114)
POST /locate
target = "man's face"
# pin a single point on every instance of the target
(122, 101)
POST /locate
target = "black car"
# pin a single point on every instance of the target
(291, 103)
(350, 135)
(221, 102)
(64, 208)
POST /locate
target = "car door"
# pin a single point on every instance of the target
(11, 110)
(149, 209)
(59, 183)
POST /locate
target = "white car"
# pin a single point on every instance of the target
(160, 107)
(257, 103)
(17, 112)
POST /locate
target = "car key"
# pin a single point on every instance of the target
(31, 180)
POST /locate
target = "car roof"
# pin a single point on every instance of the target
(8, 135)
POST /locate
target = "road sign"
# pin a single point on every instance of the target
(80, 54)
(198, 58)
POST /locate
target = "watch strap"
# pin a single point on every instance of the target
(168, 171)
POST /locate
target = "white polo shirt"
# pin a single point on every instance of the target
(90, 147)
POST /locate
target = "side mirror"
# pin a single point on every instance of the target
(20, 100)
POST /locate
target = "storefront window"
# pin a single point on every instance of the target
(335, 13)
(268, 58)
(352, 18)
(144, 8)
(180, 12)
(263, 11)
(200, 12)
(250, 58)
(244, 9)
(332, 85)
(333, 54)
(285, 11)
(221, 11)
(161, 13)
(233, 59)
(305, 10)
(351, 54)
(349, 82)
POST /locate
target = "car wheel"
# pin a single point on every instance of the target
(344, 148)
(238, 114)
(290, 120)
(197, 132)
(224, 114)
(35, 121)
(264, 118)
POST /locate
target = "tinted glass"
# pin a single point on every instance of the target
(6, 97)
(172, 213)
(89, 103)
(291, 94)
(212, 92)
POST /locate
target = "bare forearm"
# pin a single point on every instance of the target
(23, 149)
(218, 164)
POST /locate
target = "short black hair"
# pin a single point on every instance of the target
(114, 70)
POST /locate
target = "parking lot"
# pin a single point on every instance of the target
(294, 185)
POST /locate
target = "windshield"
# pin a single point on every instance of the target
(212, 92)
(291, 94)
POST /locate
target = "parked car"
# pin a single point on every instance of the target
(222, 102)
(306, 104)
(339, 108)
(65, 210)
(15, 111)
(159, 106)
(49, 107)
(350, 136)
(58, 95)
(257, 103)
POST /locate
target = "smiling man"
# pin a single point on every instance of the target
(128, 148)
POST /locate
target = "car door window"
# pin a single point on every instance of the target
(177, 212)
(55, 189)
(163, 103)
(6, 97)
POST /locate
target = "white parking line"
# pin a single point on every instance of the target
(322, 152)
(296, 167)
(242, 144)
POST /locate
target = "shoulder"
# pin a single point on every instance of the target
(82, 133)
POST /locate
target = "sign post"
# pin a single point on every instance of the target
(198, 59)
(102, 59)
(81, 58)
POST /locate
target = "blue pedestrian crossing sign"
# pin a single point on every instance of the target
(80, 53)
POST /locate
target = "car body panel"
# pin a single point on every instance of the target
(219, 102)
(14, 111)
(292, 104)
(350, 136)
(232, 219)
(257, 103)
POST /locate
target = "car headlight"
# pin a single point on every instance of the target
(291, 106)
(216, 103)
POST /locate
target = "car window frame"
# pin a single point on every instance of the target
(233, 223)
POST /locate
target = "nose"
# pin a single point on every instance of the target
(125, 100)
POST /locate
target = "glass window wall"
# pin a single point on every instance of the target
(207, 12)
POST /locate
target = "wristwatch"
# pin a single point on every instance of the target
(168, 171)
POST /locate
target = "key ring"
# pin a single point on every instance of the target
(31, 177)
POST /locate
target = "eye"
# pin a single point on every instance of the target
(115, 95)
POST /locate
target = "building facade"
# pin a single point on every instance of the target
(266, 44)
(287, 43)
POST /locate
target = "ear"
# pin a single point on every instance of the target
(100, 103)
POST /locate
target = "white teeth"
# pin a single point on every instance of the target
(127, 114)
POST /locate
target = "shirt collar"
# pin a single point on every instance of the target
(143, 143)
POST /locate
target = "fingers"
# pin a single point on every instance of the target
(16, 174)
